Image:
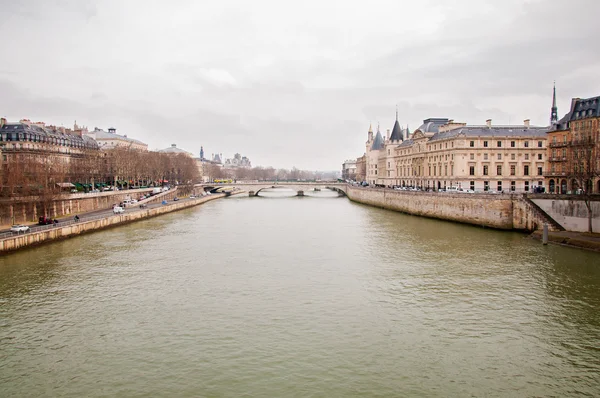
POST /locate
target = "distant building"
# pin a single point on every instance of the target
(361, 169)
(174, 150)
(237, 161)
(108, 140)
(349, 170)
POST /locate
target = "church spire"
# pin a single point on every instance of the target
(396, 112)
(370, 128)
(554, 110)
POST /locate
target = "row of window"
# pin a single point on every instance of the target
(513, 170)
(540, 156)
(513, 144)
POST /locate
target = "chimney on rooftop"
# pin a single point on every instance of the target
(173, 145)
(526, 123)
(2, 122)
(488, 123)
(387, 135)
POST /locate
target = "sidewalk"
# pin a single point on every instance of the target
(582, 240)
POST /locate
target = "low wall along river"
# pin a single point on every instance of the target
(501, 211)
(35, 238)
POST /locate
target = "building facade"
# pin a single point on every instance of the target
(361, 169)
(442, 153)
(574, 149)
(349, 170)
(35, 156)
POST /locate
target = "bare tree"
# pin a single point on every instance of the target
(585, 169)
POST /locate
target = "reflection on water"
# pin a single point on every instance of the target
(306, 296)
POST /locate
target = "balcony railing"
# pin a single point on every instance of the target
(557, 144)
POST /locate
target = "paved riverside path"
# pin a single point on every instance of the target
(62, 221)
(581, 240)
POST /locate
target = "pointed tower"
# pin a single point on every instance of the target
(378, 142)
(201, 153)
(396, 131)
(554, 110)
(370, 134)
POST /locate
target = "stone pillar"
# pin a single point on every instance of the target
(251, 193)
(300, 193)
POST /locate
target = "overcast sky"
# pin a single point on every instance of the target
(291, 83)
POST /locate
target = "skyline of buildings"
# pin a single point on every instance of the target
(443, 153)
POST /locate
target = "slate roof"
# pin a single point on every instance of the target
(484, 131)
(396, 132)
(173, 149)
(406, 143)
(432, 125)
(25, 132)
(378, 142)
(105, 135)
(580, 109)
(584, 108)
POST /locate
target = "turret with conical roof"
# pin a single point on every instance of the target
(370, 133)
(378, 142)
(397, 131)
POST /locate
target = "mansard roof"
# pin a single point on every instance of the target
(432, 124)
(584, 108)
(378, 142)
(497, 131)
(26, 132)
(580, 109)
(396, 132)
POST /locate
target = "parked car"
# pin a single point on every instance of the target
(118, 210)
(192, 196)
(45, 221)
(19, 228)
(175, 198)
(74, 190)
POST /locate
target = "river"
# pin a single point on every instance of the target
(303, 297)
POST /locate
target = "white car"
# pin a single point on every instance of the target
(118, 210)
(19, 228)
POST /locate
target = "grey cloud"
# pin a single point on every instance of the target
(287, 86)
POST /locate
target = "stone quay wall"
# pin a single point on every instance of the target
(28, 209)
(500, 211)
(36, 238)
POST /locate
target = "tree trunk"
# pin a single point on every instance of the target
(588, 206)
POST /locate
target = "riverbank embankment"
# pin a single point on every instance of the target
(59, 232)
(499, 211)
(580, 240)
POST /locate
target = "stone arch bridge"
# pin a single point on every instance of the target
(254, 188)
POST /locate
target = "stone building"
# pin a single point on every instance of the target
(237, 161)
(349, 170)
(34, 155)
(110, 139)
(361, 168)
(574, 148)
(442, 153)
